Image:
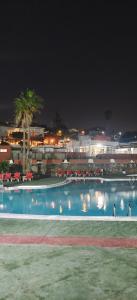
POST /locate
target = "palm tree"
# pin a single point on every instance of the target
(26, 105)
(108, 117)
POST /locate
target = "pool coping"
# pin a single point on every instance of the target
(65, 218)
(68, 180)
(35, 187)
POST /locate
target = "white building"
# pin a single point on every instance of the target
(99, 145)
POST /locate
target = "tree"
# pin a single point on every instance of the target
(26, 105)
(59, 123)
(108, 116)
(4, 166)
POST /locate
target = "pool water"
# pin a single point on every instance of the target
(75, 199)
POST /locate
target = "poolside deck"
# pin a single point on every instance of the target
(46, 271)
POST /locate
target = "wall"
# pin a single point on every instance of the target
(5, 152)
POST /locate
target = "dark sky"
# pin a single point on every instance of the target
(80, 56)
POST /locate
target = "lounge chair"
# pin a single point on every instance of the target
(16, 176)
(28, 176)
(7, 177)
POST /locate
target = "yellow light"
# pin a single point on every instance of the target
(46, 141)
(52, 141)
(59, 133)
(84, 207)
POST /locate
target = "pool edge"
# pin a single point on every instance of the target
(64, 218)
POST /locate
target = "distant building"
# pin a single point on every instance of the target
(96, 131)
(129, 137)
(100, 144)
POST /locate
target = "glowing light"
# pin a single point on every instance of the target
(52, 141)
(59, 133)
(99, 145)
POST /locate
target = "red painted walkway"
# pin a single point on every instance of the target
(70, 241)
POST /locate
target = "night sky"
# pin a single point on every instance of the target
(80, 56)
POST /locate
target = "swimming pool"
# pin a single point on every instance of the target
(75, 199)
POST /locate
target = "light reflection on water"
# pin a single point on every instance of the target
(91, 199)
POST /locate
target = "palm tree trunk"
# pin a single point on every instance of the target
(28, 149)
(24, 151)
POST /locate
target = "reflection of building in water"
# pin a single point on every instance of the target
(134, 194)
(122, 206)
(32, 200)
(84, 207)
(2, 206)
(127, 194)
(60, 209)
(87, 197)
(100, 202)
(66, 193)
(101, 199)
(81, 196)
(105, 204)
(91, 192)
(69, 204)
(52, 204)
(129, 210)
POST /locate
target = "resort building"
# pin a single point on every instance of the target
(101, 144)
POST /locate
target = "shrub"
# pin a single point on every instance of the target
(4, 167)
